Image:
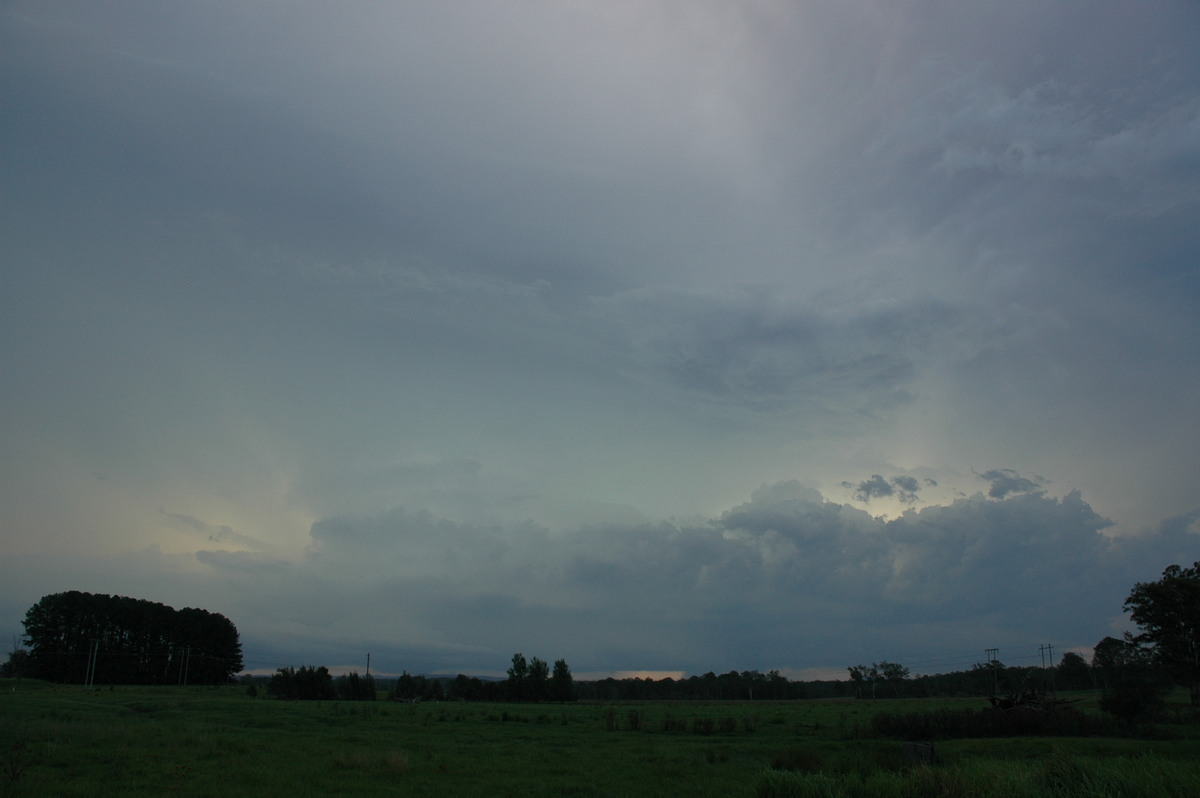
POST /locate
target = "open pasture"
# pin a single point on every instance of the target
(66, 740)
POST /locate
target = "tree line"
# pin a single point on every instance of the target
(733, 685)
(317, 684)
(79, 637)
(94, 638)
(528, 680)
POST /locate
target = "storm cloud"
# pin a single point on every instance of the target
(454, 330)
(765, 579)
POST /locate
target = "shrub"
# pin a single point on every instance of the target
(1133, 701)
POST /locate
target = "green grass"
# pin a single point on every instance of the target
(134, 741)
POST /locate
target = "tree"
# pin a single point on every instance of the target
(17, 664)
(1112, 654)
(517, 673)
(1132, 687)
(891, 672)
(466, 688)
(562, 684)
(1073, 673)
(537, 680)
(859, 674)
(777, 685)
(405, 689)
(988, 676)
(1168, 614)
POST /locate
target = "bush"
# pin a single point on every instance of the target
(1132, 701)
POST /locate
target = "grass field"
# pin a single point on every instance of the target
(68, 741)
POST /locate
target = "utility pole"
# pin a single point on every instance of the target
(1047, 652)
(992, 664)
(184, 662)
(368, 664)
(89, 679)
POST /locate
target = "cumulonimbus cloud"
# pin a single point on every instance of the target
(945, 574)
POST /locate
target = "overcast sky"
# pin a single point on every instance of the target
(674, 335)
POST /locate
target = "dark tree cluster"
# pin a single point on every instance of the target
(17, 664)
(533, 681)
(981, 679)
(306, 683)
(77, 637)
(419, 688)
(352, 687)
(1136, 670)
(1168, 613)
(880, 674)
(731, 686)
(992, 679)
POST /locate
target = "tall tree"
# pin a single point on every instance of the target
(17, 664)
(1073, 673)
(859, 674)
(405, 689)
(1133, 683)
(537, 680)
(891, 672)
(562, 684)
(518, 672)
(1168, 613)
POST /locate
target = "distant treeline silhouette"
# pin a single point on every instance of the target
(1073, 673)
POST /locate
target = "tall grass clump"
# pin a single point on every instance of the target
(801, 759)
(790, 784)
(393, 763)
(1118, 777)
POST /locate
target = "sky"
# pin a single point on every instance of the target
(665, 336)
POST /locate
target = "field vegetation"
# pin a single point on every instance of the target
(70, 740)
(1131, 736)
